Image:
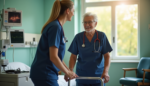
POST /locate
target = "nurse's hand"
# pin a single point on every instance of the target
(105, 76)
(70, 75)
(66, 78)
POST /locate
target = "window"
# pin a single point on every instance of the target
(119, 21)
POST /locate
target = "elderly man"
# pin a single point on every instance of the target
(92, 48)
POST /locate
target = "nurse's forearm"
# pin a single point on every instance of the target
(107, 62)
(56, 60)
(65, 65)
(72, 61)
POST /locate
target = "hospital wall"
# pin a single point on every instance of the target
(36, 13)
(32, 22)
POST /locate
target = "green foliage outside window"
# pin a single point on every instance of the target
(126, 27)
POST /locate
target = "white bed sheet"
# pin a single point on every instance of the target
(62, 82)
(16, 65)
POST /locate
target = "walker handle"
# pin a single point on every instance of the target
(93, 78)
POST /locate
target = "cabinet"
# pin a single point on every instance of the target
(21, 79)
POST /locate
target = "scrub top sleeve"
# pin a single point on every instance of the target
(74, 46)
(106, 46)
(54, 36)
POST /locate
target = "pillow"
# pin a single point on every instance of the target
(16, 65)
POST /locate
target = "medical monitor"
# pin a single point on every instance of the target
(16, 38)
(12, 17)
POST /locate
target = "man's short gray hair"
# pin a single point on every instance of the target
(91, 14)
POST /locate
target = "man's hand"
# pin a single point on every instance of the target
(105, 76)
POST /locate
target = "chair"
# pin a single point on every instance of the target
(142, 74)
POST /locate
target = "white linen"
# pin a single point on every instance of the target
(62, 82)
(16, 65)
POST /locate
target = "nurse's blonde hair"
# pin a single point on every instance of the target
(58, 9)
(90, 14)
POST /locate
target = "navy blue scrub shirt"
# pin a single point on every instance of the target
(42, 68)
(89, 64)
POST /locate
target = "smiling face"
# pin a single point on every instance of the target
(89, 23)
(70, 13)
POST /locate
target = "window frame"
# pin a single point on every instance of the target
(113, 5)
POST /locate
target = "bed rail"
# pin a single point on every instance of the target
(91, 78)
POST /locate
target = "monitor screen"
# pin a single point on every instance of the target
(16, 37)
(12, 17)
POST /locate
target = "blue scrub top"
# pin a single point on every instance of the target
(42, 68)
(89, 63)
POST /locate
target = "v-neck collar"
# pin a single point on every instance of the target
(92, 38)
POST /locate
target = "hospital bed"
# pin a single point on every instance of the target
(19, 79)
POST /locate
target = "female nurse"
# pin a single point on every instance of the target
(51, 47)
(92, 48)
